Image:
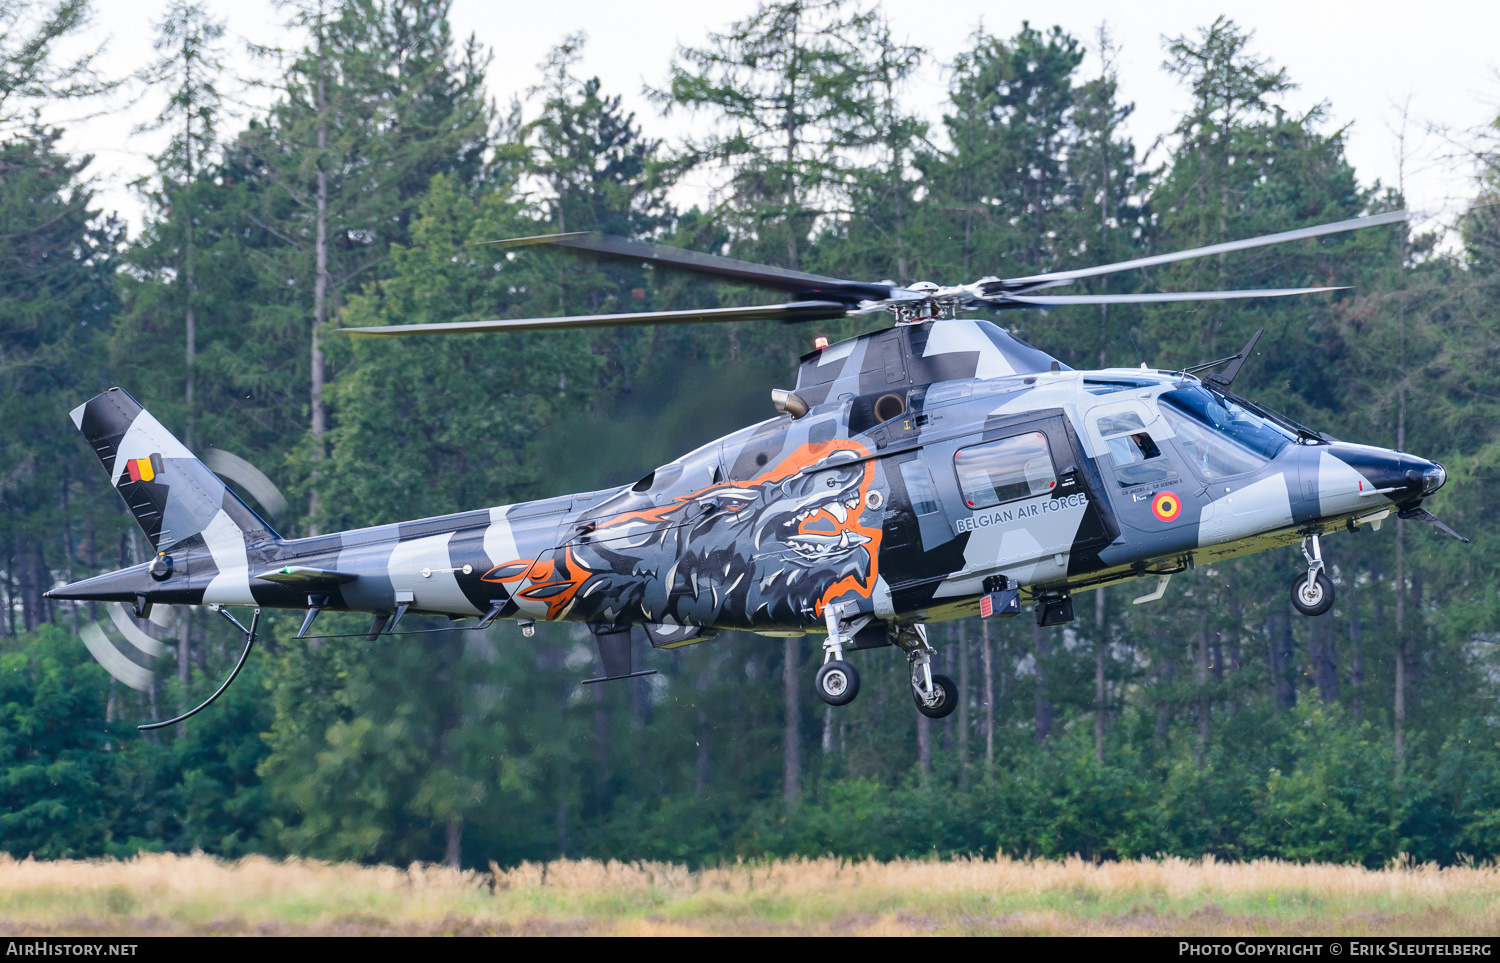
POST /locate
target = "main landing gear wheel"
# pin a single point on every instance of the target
(1312, 594)
(944, 698)
(837, 683)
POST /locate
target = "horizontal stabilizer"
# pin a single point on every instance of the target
(676, 636)
(303, 575)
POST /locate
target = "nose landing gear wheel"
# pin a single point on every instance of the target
(1312, 596)
(837, 683)
(944, 698)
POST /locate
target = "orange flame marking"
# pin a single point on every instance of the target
(558, 592)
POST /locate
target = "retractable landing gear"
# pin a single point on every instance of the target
(837, 682)
(1312, 593)
(936, 695)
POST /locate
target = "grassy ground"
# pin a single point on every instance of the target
(201, 895)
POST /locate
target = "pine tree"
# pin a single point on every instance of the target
(57, 300)
(30, 72)
(782, 86)
(190, 66)
(375, 106)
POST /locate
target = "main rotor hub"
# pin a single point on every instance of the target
(927, 309)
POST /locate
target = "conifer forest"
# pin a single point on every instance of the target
(1216, 721)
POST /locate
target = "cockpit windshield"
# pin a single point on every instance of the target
(1220, 437)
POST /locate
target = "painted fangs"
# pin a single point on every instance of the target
(823, 547)
(837, 510)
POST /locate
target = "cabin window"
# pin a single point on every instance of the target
(1004, 470)
(919, 487)
(1218, 436)
(1136, 455)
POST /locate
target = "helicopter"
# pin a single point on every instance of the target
(933, 469)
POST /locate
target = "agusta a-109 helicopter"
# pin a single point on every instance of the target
(928, 471)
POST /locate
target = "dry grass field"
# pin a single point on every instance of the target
(164, 894)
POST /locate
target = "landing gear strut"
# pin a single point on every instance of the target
(936, 695)
(1312, 593)
(837, 682)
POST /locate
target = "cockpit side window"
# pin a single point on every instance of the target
(1136, 455)
(1219, 437)
(1004, 470)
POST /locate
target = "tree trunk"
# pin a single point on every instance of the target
(989, 699)
(190, 349)
(1205, 700)
(601, 749)
(1356, 660)
(1281, 657)
(924, 747)
(791, 738)
(33, 578)
(453, 853)
(793, 261)
(1101, 649)
(69, 553)
(1398, 709)
(1415, 634)
(320, 310)
(640, 706)
(700, 769)
(8, 624)
(1165, 675)
(963, 706)
(1042, 647)
(1325, 662)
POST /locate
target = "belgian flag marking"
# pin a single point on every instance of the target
(1166, 506)
(142, 469)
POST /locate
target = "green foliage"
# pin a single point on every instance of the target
(54, 748)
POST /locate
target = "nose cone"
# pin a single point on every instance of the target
(1433, 478)
(1403, 478)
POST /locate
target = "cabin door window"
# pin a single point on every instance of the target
(1004, 470)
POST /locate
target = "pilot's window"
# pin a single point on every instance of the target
(1136, 455)
(1219, 437)
(1004, 470)
(919, 487)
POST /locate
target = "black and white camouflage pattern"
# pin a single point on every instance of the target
(768, 526)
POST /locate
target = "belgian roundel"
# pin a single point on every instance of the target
(1166, 506)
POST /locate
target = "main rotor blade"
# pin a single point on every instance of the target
(791, 312)
(763, 275)
(1061, 300)
(1338, 227)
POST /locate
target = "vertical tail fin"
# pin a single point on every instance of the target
(171, 493)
